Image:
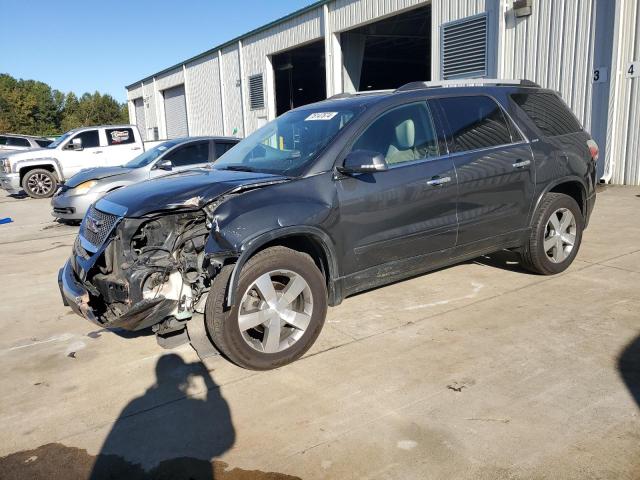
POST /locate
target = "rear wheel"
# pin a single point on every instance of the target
(555, 235)
(280, 309)
(40, 183)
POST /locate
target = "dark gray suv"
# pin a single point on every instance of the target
(329, 200)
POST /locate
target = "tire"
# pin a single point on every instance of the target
(274, 342)
(40, 183)
(549, 261)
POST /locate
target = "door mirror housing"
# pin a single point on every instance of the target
(164, 165)
(363, 161)
(76, 144)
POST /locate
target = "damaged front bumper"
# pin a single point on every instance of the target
(144, 313)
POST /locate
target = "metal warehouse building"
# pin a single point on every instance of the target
(588, 50)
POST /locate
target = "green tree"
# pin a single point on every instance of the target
(33, 107)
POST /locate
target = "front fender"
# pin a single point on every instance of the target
(253, 245)
(40, 162)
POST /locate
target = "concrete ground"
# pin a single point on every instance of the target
(476, 371)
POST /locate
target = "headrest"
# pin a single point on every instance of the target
(406, 134)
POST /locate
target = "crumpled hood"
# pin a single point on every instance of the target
(170, 192)
(95, 173)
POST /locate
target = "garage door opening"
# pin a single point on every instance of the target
(299, 76)
(388, 53)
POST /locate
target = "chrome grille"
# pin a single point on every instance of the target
(97, 226)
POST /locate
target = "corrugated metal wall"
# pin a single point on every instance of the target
(553, 47)
(150, 108)
(232, 96)
(346, 14)
(623, 135)
(170, 79)
(203, 94)
(255, 49)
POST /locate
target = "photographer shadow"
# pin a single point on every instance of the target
(170, 430)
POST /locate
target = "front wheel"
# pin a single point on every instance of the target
(280, 309)
(556, 234)
(39, 183)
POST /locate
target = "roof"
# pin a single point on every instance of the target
(269, 25)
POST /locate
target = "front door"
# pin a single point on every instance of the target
(495, 168)
(408, 210)
(89, 156)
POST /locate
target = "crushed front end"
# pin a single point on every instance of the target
(134, 273)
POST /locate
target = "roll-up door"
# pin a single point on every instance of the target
(138, 103)
(175, 112)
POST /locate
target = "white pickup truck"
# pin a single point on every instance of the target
(39, 171)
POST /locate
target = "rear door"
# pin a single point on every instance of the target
(496, 174)
(121, 146)
(408, 210)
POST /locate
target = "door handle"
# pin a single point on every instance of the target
(135, 148)
(435, 182)
(522, 164)
(99, 151)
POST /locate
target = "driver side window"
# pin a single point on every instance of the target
(90, 139)
(404, 134)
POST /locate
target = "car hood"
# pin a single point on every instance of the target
(95, 174)
(192, 188)
(30, 154)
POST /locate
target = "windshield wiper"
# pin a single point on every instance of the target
(238, 168)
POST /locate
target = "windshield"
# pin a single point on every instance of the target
(149, 156)
(59, 140)
(288, 144)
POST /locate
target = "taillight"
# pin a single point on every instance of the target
(593, 149)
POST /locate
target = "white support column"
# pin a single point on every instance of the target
(328, 55)
(221, 78)
(270, 88)
(336, 63)
(244, 107)
(159, 105)
(332, 54)
(186, 98)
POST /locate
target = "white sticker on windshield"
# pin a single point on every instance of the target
(162, 147)
(321, 116)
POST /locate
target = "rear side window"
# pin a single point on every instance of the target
(119, 136)
(475, 122)
(3, 140)
(18, 142)
(222, 148)
(548, 112)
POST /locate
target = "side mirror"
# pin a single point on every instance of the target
(164, 165)
(363, 161)
(76, 144)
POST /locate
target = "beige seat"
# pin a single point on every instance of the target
(403, 148)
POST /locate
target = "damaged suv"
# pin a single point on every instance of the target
(329, 200)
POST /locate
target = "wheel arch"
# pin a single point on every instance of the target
(574, 187)
(311, 240)
(50, 164)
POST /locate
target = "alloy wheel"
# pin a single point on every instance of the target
(275, 311)
(560, 235)
(40, 184)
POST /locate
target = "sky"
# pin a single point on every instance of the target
(84, 46)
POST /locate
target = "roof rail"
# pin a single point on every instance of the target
(355, 94)
(465, 82)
